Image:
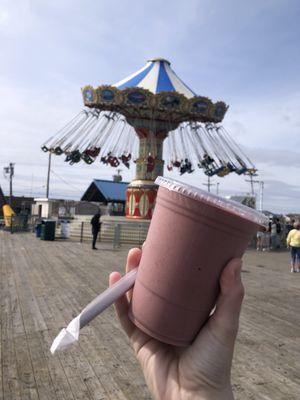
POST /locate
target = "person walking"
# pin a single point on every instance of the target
(260, 239)
(278, 233)
(267, 238)
(273, 235)
(96, 225)
(293, 243)
(289, 226)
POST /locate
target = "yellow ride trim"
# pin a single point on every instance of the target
(8, 213)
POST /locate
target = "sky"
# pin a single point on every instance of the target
(244, 53)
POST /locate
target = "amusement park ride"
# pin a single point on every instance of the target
(8, 212)
(129, 122)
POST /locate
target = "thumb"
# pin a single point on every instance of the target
(224, 322)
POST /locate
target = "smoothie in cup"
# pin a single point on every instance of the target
(192, 236)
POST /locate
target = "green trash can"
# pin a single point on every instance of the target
(48, 230)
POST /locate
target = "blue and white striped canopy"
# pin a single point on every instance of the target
(156, 76)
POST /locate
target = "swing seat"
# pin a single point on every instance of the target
(150, 164)
(113, 161)
(87, 159)
(224, 172)
(207, 159)
(176, 164)
(74, 157)
(252, 171)
(241, 171)
(125, 158)
(218, 170)
(93, 152)
(210, 171)
(231, 167)
(58, 151)
(188, 166)
(243, 168)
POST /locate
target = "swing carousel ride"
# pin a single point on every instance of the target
(128, 122)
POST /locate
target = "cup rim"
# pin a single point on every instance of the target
(231, 206)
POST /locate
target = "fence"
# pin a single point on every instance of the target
(17, 223)
(114, 232)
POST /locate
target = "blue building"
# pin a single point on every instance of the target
(110, 193)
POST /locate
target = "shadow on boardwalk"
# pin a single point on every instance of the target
(45, 284)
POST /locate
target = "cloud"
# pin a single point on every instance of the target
(274, 157)
(278, 193)
(15, 18)
(271, 123)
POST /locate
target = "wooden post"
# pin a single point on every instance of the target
(81, 232)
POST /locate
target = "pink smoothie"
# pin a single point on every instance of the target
(192, 236)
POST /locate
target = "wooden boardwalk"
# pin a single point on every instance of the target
(43, 285)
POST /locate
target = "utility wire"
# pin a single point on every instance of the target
(66, 182)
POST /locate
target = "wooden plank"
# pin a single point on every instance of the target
(112, 359)
(43, 285)
(11, 382)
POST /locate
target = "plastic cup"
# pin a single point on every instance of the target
(192, 236)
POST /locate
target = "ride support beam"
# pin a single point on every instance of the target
(141, 193)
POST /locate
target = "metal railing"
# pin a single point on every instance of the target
(117, 233)
(17, 223)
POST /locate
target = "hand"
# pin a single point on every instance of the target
(201, 370)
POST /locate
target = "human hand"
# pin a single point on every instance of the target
(202, 370)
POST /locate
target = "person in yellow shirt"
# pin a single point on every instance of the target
(293, 243)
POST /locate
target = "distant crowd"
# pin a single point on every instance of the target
(274, 236)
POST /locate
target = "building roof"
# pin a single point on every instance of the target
(156, 76)
(104, 191)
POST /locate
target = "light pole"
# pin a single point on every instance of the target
(48, 175)
(252, 181)
(208, 184)
(261, 195)
(9, 174)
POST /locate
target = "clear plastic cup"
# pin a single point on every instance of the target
(192, 236)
